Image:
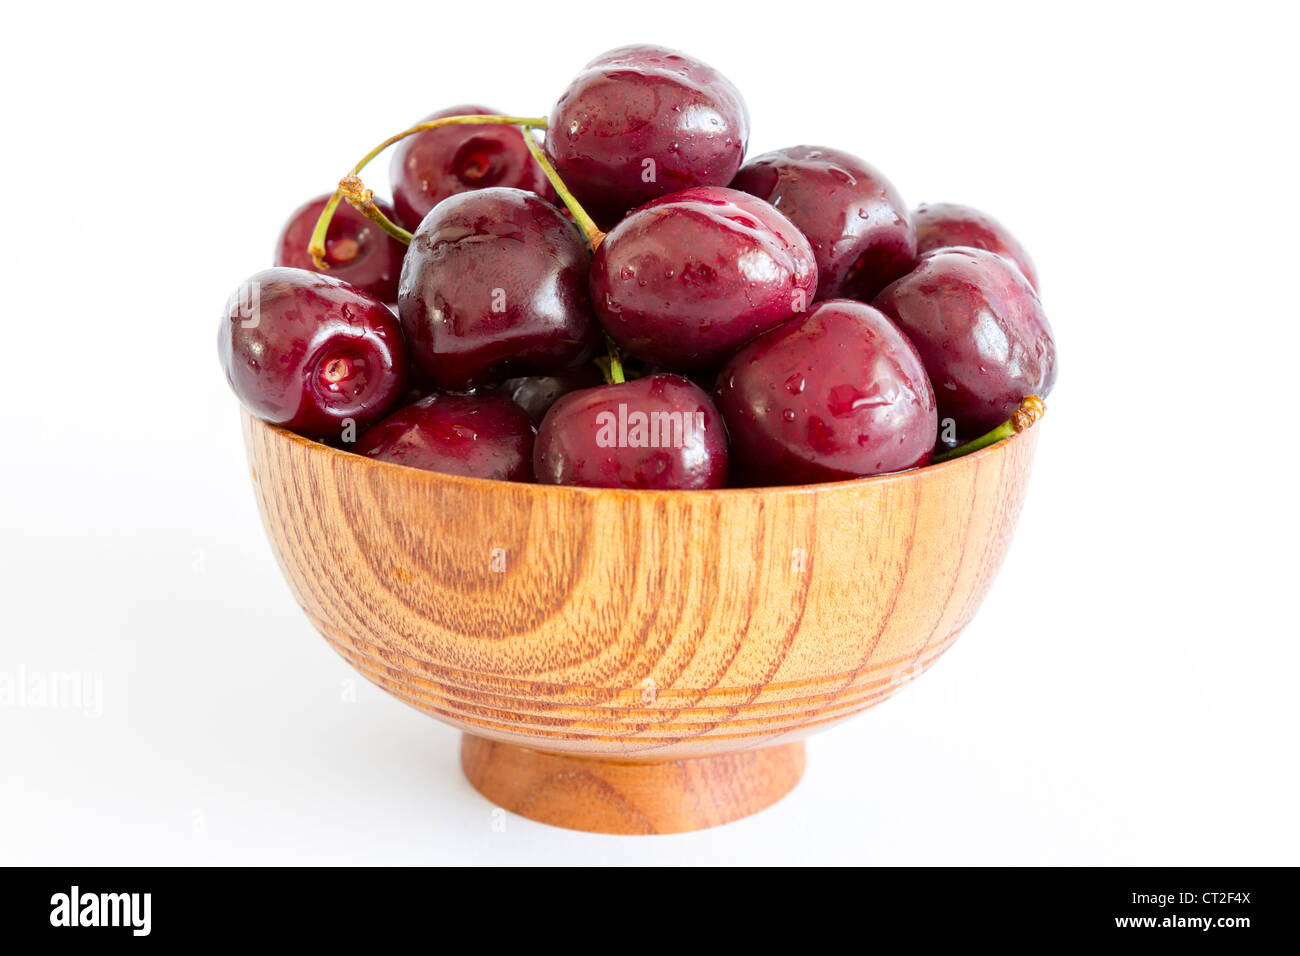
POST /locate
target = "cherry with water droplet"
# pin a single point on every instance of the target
(837, 393)
(658, 432)
(311, 353)
(981, 330)
(494, 285)
(687, 279)
(939, 225)
(857, 223)
(479, 436)
(643, 121)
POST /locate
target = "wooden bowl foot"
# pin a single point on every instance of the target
(602, 796)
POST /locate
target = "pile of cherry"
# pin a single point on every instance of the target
(631, 304)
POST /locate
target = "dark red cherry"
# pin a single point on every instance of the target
(837, 393)
(944, 224)
(481, 436)
(686, 280)
(660, 431)
(430, 166)
(357, 251)
(981, 331)
(311, 353)
(859, 228)
(705, 378)
(418, 382)
(535, 394)
(641, 122)
(494, 285)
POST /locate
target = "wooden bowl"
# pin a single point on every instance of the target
(635, 661)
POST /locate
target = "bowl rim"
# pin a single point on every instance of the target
(641, 494)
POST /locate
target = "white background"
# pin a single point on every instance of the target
(1126, 694)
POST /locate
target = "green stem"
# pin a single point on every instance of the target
(616, 376)
(363, 201)
(1031, 410)
(373, 213)
(317, 244)
(585, 222)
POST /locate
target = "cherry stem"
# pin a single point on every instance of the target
(363, 201)
(616, 376)
(1031, 410)
(585, 222)
(317, 244)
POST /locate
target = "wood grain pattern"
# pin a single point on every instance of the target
(670, 796)
(635, 626)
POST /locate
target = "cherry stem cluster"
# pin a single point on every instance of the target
(355, 192)
(1031, 410)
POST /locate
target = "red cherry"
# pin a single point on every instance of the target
(481, 436)
(430, 166)
(939, 225)
(356, 250)
(686, 280)
(855, 219)
(311, 353)
(981, 331)
(837, 393)
(495, 285)
(661, 431)
(643, 121)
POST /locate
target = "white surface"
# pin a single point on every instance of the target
(1125, 695)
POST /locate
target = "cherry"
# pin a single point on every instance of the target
(643, 121)
(430, 166)
(535, 394)
(705, 378)
(356, 250)
(855, 219)
(481, 436)
(981, 331)
(661, 431)
(418, 383)
(837, 393)
(311, 353)
(495, 284)
(948, 224)
(687, 279)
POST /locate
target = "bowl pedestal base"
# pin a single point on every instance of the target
(602, 796)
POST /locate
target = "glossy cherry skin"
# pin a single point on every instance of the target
(643, 121)
(860, 230)
(980, 330)
(535, 394)
(356, 250)
(837, 393)
(428, 167)
(943, 224)
(687, 279)
(480, 436)
(661, 431)
(494, 285)
(311, 353)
